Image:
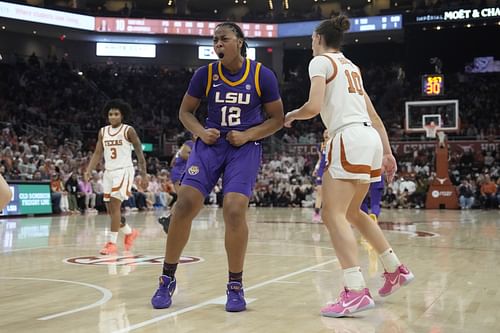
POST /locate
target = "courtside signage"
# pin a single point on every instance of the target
(461, 15)
(29, 198)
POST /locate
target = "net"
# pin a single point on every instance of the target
(430, 131)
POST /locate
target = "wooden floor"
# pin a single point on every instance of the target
(53, 280)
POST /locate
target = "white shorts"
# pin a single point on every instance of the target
(355, 153)
(118, 183)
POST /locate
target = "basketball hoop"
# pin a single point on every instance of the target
(430, 130)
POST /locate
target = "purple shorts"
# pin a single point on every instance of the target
(176, 173)
(239, 166)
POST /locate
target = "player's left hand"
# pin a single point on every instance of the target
(237, 138)
(289, 119)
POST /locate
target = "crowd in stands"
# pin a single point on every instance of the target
(49, 134)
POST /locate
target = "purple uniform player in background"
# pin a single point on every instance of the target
(319, 169)
(179, 163)
(244, 106)
(375, 197)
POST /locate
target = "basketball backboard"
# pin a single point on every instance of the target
(443, 113)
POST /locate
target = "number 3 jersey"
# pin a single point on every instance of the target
(344, 101)
(117, 147)
(234, 100)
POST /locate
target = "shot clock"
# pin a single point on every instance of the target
(433, 85)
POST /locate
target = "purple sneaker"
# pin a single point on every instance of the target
(162, 298)
(235, 297)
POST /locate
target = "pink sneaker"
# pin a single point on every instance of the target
(316, 217)
(393, 281)
(129, 239)
(349, 302)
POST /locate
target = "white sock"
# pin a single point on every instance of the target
(112, 237)
(389, 260)
(353, 279)
(126, 229)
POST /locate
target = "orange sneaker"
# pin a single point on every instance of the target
(129, 239)
(109, 248)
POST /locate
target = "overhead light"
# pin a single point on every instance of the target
(285, 3)
(395, 4)
(3, 27)
(244, 2)
(298, 44)
(34, 32)
(468, 25)
(389, 38)
(235, 1)
(270, 3)
(348, 7)
(438, 27)
(356, 40)
(80, 73)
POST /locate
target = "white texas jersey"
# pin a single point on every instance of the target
(117, 147)
(344, 101)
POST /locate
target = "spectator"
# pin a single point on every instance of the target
(465, 194)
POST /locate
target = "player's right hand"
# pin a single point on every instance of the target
(389, 166)
(210, 135)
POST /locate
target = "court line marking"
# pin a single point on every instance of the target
(321, 270)
(211, 301)
(106, 295)
(287, 282)
(38, 248)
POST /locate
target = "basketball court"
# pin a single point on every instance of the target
(53, 279)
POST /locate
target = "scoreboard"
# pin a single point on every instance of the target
(433, 85)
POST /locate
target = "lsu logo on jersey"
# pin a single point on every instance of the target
(193, 170)
(232, 98)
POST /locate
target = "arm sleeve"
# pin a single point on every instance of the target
(198, 83)
(269, 86)
(320, 66)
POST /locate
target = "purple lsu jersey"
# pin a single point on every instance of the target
(179, 164)
(235, 102)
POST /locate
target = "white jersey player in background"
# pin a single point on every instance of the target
(357, 152)
(115, 142)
